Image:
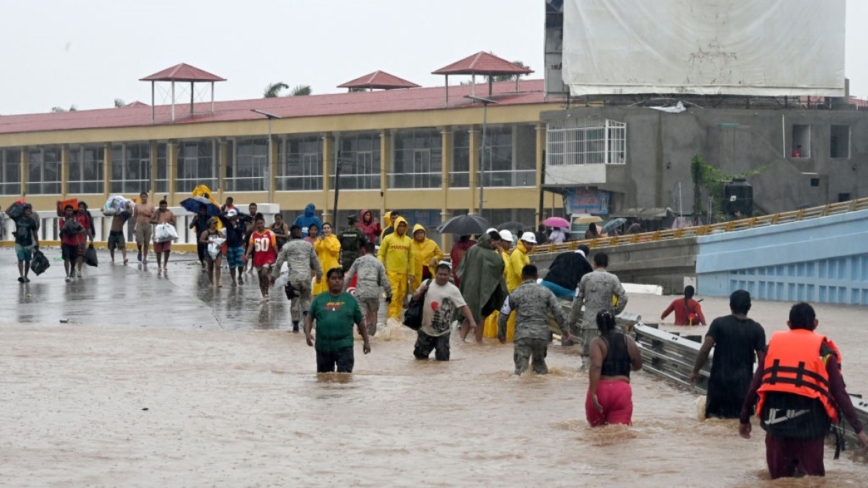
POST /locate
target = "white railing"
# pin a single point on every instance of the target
(415, 180)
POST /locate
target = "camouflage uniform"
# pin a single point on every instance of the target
(301, 258)
(532, 304)
(372, 277)
(595, 293)
(352, 240)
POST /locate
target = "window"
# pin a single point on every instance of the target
(573, 141)
(195, 165)
(44, 171)
(359, 158)
(300, 163)
(839, 142)
(843, 197)
(509, 156)
(247, 168)
(10, 172)
(418, 160)
(131, 168)
(459, 177)
(801, 141)
(86, 167)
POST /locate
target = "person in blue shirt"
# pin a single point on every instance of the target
(309, 217)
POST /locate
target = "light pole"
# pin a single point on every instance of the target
(485, 103)
(271, 173)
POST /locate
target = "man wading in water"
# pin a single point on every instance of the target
(335, 312)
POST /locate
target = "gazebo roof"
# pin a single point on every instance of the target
(379, 80)
(183, 72)
(483, 63)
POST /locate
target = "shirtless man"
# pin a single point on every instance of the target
(162, 249)
(143, 215)
(116, 234)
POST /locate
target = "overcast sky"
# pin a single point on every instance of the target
(89, 52)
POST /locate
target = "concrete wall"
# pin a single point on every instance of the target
(822, 260)
(660, 147)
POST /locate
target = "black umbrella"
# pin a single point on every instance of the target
(464, 225)
(512, 226)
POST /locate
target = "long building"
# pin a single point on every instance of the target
(418, 150)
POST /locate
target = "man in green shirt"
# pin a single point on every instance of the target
(335, 312)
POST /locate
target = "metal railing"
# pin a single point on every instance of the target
(704, 230)
(672, 357)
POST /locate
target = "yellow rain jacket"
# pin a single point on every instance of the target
(423, 253)
(328, 251)
(387, 223)
(396, 254)
(490, 331)
(517, 261)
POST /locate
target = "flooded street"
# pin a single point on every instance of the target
(188, 386)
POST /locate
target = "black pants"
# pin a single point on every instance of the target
(425, 344)
(201, 249)
(342, 358)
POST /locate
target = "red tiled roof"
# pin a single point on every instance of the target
(417, 99)
(182, 72)
(136, 104)
(379, 80)
(483, 63)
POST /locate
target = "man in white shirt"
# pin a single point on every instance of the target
(442, 299)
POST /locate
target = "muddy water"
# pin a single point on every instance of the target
(172, 406)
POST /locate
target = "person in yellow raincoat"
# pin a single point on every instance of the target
(517, 261)
(328, 251)
(396, 254)
(427, 255)
(490, 331)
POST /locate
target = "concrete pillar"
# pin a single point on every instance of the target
(475, 146)
(171, 163)
(328, 161)
(25, 169)
(107, 171)
(446, 150)
(540, 163)
(64, 171)
(272, 170)
(223, 157)
(385, 166)
(154, 153)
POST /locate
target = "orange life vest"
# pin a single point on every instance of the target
(793, 365)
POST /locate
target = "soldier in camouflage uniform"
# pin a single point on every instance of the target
(596, 292)
(301, 258)
(371, 279)
(532, 304)
(352, 241)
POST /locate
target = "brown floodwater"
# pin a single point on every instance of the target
(115, 405)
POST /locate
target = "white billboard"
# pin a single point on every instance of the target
(704, 47)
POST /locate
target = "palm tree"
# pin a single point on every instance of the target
(119, 103)
(273, 89)
(301, 91)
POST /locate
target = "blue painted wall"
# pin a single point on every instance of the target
(819, 260)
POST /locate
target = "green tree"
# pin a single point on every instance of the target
(273, 89)
(119, 103)
(712, 182)
(301, 91)
(72, 108)
(509, 77)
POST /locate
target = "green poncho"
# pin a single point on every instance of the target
(481, 275)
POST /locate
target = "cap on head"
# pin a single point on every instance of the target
(529, 237)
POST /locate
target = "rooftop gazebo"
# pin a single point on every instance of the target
(183, 73)
(482, 63)
(378, 80)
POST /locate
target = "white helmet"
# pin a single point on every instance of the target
(506, 235)
(528, 237)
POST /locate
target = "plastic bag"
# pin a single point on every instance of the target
(90, 256)
(71, 227)
(214, 245)
(165, 233)
(39, 263)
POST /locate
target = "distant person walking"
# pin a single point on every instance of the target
(426, 254)
(280, 230)
(798, 391)
(235, 230)
(213, 240)
(352, 241)
(442, 299)
(312, 233)
(262, 252)
(307, 219)
(557, 236)
(71, 242)
(143, 215)
(162, 249)
(303, 264)
(482, 283)
(370, 226)
(335, 311)
(737, 341)
(396, 255)
(687, 310)
(613, 356)
(597, 291)
(592, 232)
(456, 254)
(200, 223)
(371, 279)
(532, 304)
(26, 240)
(117, 239)
(328, 251)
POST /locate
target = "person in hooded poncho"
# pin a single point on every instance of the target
(389, 220)
(369, 225)
(427, 255)
(396, 255)
(308, 218)
(482, 283)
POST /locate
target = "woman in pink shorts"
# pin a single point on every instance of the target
(613, 356)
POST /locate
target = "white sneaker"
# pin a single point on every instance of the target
(68, 279)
